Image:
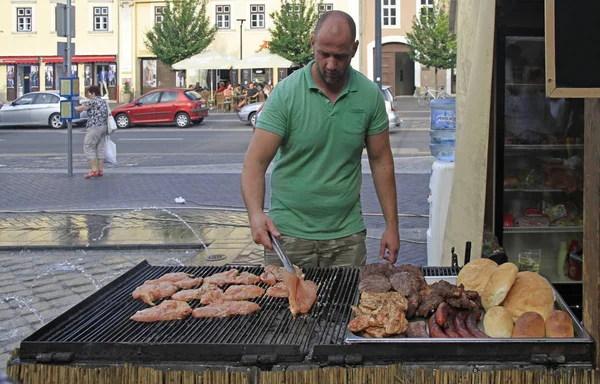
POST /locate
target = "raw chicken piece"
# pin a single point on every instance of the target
(154, 291)
(223, 278)
(226, 308)
(167, 310)
(246, 278)
(188, 283)
(175, 276)
(193, 294)
(303, 294)
(212, 296)
(278, 290)
(274, 274)
(242, 292)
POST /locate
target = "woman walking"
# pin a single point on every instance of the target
(97, 129)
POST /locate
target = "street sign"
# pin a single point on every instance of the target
(60, 17)
(69, 86)
(61, 49)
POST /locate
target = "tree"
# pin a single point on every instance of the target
(185, 30)
(430, 42)
(294, 24)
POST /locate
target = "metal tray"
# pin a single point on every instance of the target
(581, 334)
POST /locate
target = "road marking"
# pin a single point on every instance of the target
(151, 139)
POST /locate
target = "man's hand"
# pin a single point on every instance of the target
(390, 241)
(260, 226)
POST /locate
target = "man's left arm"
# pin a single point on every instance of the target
(381, 162)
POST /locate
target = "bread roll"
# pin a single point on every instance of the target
(559, 324)
(474, 275)
(498, 322)
(500, 282)
(529, 324)
(530, 293)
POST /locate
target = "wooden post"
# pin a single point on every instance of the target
(591, 224)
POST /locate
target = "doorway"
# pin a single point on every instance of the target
(397, 69)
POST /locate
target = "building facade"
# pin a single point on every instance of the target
(28, 47)
(398, 70)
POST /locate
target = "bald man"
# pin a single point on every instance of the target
(317, 121)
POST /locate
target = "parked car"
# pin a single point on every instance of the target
(252, 112)
(390, 107)
(181, 106)
(247, 114)
(36, 109)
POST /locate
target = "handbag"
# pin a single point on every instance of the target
(110, 151)
(110, 121)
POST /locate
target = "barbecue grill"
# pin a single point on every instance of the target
(98, 330)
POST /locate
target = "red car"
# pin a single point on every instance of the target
(182, 106)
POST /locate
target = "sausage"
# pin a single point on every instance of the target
(441, 314)
(472, 324)
(460, 324)
(434, 329)
(449, 329)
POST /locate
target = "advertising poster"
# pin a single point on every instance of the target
(149, 73)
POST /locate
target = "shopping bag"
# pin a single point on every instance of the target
(110, 121)
(110, 151)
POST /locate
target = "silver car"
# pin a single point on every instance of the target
(247, 114)
(35, 109)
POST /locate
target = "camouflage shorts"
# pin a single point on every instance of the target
(345, 251)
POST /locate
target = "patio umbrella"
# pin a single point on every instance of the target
(207, 60)
(263, 59)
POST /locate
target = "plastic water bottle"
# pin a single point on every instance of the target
(443, 129)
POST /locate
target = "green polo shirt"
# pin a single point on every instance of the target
(317, 175)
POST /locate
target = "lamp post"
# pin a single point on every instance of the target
(241, 24)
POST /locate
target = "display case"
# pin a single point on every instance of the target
(539, 165)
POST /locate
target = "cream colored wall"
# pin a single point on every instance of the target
(3, 83)
(42, 40)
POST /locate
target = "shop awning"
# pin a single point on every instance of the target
(57, 59)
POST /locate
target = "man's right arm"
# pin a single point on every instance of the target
(261, 150)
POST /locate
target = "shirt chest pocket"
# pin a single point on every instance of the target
(354, 121)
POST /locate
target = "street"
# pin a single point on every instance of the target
(62, 238)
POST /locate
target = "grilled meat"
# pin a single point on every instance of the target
(242, 292)
(378, 269)
(278, 290)
(193, 294)
(417, 329)
(413, 270)
(373, 301)
(167, 310)
(212, 296)
(413, 305)
(172, 277)
(429, 304)
(303, 293)
(376, 332)
(461, 302)
(223, 278)
(226, 309)
(246, 278)
(188, 283)
(405, 283)
(446, 289)
(150, 292)
(374, 283)
(389, 317)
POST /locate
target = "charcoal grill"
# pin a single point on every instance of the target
(98, 331)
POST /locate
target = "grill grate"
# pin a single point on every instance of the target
(97, 326)
(440, 271)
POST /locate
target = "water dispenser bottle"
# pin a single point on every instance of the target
(443, 129)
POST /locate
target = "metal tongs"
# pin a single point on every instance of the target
(286, 262)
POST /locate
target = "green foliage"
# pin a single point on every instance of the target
(294, 24)
(185, 31)
(430, 42)
(127, 87)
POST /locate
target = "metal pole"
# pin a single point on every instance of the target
(241, 27)
(378, 42)
(68, 70)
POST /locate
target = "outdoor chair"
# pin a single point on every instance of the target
(220, 98)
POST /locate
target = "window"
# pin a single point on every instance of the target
(325, 8)
(390, 9)
(25, 100)
(168, 97)
(46, 98)
(24, 19)
(257, 16)
(100, 18)
(151, 98)
(223, 16)
(426, 6)
(159, 14)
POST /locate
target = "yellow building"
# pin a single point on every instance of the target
(250, 35)
(28, 46)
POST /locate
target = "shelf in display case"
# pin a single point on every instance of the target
(538, 147)
(539, 189)
(566, 229)
(541, 87)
